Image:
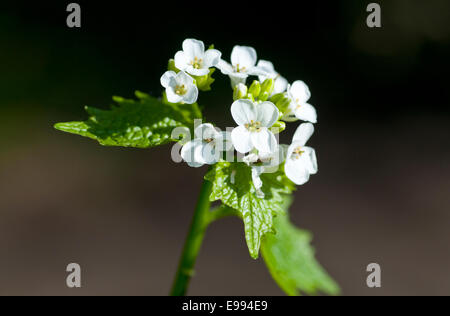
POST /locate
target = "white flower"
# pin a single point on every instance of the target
(254, 121)
(180, 87)
(207, 146)
(299, 109)
(243, 64)
(194, 59)
(264, 163)
(268, 161)
(280, 83)
(301, 160)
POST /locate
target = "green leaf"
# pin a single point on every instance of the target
(290, 259)
(233, 185)
(142, 123)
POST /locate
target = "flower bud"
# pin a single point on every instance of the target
(276, 97)
(255, 89)
(263, 96)
(267, 86)
(171, 66)
(278, 127)
(283, 104)
(250, 97)
(281, 101)
(239, 91)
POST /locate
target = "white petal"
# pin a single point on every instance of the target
(209, 154)
(244, 56)
(191, 153)
(264, 140)
(243, 111)
(306, 112)
(181, 60)
(239, 75)
(299, 91)
(191, 95)
(211, 58)
(310, 159)
(280, 85)
(197, 71)
(261, 78)
(267, 66)
(184, 78)
(291, 149)
(206, 131)
(267, 113)
(193, 48)
(224, 67)
(296, 171)
(166, 77)
(303, 133)
(237, 78)
(256, 71)
(240, 137)
(172, 97)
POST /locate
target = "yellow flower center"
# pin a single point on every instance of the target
(196, 63)
(239, 69)
(253, 126)
(297, 152)
(297, 101)
(180, 90)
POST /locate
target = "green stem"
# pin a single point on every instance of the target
(221, 212)
(193, 241)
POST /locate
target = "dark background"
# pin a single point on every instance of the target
(382, 193)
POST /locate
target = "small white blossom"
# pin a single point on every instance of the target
(268, 161)
(264, 163)
(280, 83)
(180, 87)
(243, 64)
(301, 160)
(254, 121)
(207, 146)
(194, 59)
(299, 109)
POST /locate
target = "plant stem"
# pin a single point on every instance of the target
(221, 212)
(193, 241)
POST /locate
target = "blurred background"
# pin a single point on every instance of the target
(382, 193)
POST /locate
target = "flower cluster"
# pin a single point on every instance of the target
(260, 111)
